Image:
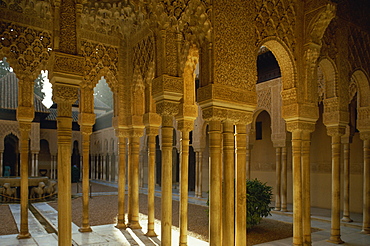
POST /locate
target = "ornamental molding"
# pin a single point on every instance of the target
(65, 63)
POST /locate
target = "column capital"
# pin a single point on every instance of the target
(136, 131)
(86, 130)
(336, 131)
(301, 125)
(167, 108)
(64, 93)
(151, 130)
(152, 120)
(185, 125)
(86, 119)
(365, 135)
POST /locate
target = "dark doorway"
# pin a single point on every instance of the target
(11, 155)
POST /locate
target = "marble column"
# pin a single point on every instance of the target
(335, 134)
(33, 165)
(365, 136)
(278, 178)
(64, 123)
(36, 164)
(215, 191)
(306, 187)
(228, 184)
(116, 168)
(185, 126)
(284, 180)
(297, 188)
(199, 174)
(121, 182)
(241, 187)
(151, 133)
(86, 132)
(1, 163)
(248, 161)
(134, 178)
(104, 168)
(166, 223)
(346, 181)
(109, 160)
(25, 129)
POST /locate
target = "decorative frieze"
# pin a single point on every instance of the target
(70, 64)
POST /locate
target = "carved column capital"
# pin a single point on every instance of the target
(365, 135)
(336, 131)
(151, 130)
(185, 125)
(86, 130)
(86, 119)
(300, 125)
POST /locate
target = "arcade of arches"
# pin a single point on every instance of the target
(271, 89)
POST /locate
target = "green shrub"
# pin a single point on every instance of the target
(259, 197)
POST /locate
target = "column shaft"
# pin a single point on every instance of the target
(25, 129)
(366, 208)
(121, 183)
(215, 192)
(278, 178)
(64, 180)
(284, 178)
(228, 185)
(346, 178)
(306, 188)
(199, 173)
(134, 177)
(166, 223)
(184, 174)
(335, 203)
(1, 163)
(241, 187)
(297, 188)
(248, 162)
(85, 183)
(151, 185)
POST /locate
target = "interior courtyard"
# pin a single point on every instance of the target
(186, 100)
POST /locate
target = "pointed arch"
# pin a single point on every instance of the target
(330, 74)
(361, 80)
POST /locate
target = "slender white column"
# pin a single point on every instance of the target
(215, 190)
(228, 187)
(335, 203)
(1, 163)
(151, 182)
(284, 180)
(109, 167)
(346, 178)
(278, 178)
(33, 165)
(166, 223)
(104, 162)
(241, 189)
(306, 196)
(297, 188)
(36, 164)
(199, 173)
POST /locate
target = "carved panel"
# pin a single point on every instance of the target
(143, 55)
(27, 49)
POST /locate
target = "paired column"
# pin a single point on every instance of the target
(86, 132)
(25, 129)
(151, 132)
(121, 181)
(215, 195)
(335, 133)
(241, 187)
(104, 168)
(1, 163)
(365, 136)
(228, 184)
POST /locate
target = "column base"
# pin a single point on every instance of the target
(24, 236)
(151, 233)
(335, 240)
(346, 219)
(277, 209)
(134, 225)
(365, 231)
(85, 229)
(121, 226)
